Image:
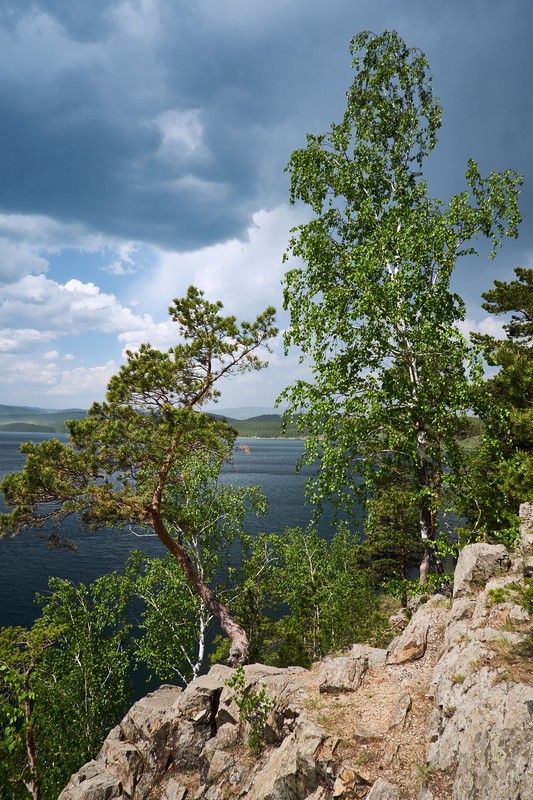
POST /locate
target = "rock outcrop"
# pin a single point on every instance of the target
(445, 713)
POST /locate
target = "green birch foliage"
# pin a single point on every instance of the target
(20, 653)
(371, 307)
(63, 685)
(83, 684)
(302, 597)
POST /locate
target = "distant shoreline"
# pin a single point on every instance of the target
(23, 419)
(10, 429)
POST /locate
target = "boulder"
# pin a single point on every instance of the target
(92, 783)
(411, 644)
(291, 770)
(383, 790)
(374, 656)
(136, 754)
(288, 685)
(347, 781)
(401, 710)
(342, 674)
(415, 602)
(484, 733)
(173, 790)
(200, 701)
(218, 766)
(478, 563)
(125, 761)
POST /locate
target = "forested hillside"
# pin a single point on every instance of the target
(22, 419)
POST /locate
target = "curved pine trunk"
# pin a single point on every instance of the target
(239, 647)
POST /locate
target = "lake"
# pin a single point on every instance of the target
(26, 562)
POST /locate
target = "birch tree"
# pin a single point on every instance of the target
(370, 302)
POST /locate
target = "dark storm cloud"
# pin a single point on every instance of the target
(88, 88)
(78, 141)
(83, 21)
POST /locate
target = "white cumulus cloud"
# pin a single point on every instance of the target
(59, 309)
(83, 381)
(18, 260)
(489, 326)
(245, 274)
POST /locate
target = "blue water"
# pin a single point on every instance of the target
(26, 563)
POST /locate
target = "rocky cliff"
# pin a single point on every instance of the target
(446, 712)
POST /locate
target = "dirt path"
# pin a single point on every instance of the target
(383, 724)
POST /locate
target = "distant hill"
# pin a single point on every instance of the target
(24, 419)
(42, 420)
(8, 411)
(25, 427)
(243, 412)
(265, 426)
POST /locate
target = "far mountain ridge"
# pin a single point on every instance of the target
(21, 410)
(26, 419)
(243, 412)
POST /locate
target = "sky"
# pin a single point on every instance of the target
(143, 146)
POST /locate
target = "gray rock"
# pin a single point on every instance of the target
(136, 753)
(199, 702)
(438, 601)
(383, 790)
(478, 563)
(98, 787)
(226, 737)
(288, 686)
(398, 621)
(417, 601)
(462, 609)
(291, 772)
(342, 674)
(367, 734)
(390, 752)
(495, 757)
(480, 728)
(320, 793)
(411, 644)
(228, 710)
(220, 764)
(124, 760)
(146, 728)
(399, 715)
(374, 656)
(173, 790)
(347, 781)
(187, 742)
(518, 615)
